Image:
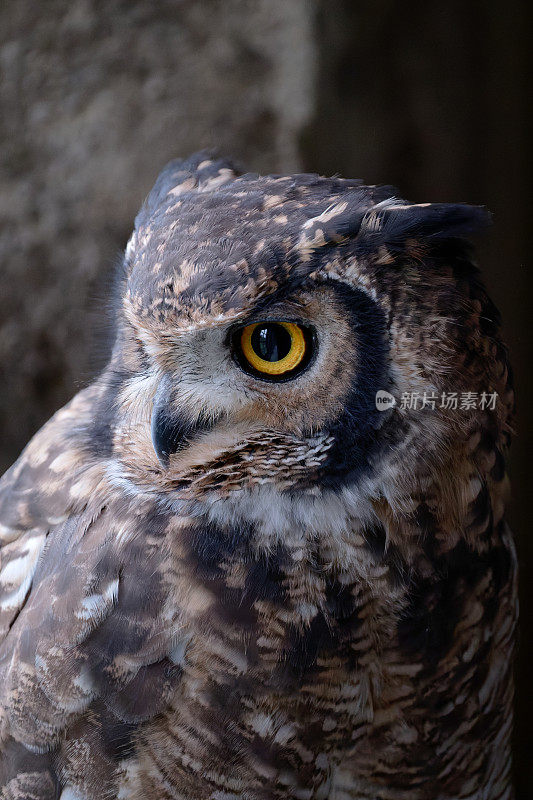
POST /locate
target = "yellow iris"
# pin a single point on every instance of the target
(273, 339)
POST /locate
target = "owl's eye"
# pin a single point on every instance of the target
(273, 350)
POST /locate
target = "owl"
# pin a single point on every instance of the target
(264, 554)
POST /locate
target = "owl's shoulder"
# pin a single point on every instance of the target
(36, 497)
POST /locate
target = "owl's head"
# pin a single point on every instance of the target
(262, 319)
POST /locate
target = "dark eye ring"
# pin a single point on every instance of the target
(274, 350)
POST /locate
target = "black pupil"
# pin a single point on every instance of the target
(271, 341)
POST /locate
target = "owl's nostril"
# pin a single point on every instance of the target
(171, 431)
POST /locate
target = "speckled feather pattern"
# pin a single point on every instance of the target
(311, 599)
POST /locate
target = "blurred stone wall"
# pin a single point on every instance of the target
(96, 95)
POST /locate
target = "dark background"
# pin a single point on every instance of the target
(96, 96)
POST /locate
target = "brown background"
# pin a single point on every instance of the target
(96, 96)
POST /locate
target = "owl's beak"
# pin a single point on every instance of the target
(171, 431)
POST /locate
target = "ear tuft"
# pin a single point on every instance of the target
(392, 222)
(201, 172)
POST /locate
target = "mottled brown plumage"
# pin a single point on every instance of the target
(216, 586)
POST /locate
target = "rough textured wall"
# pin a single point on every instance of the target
(96, 97)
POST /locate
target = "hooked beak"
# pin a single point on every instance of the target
(171, 431)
